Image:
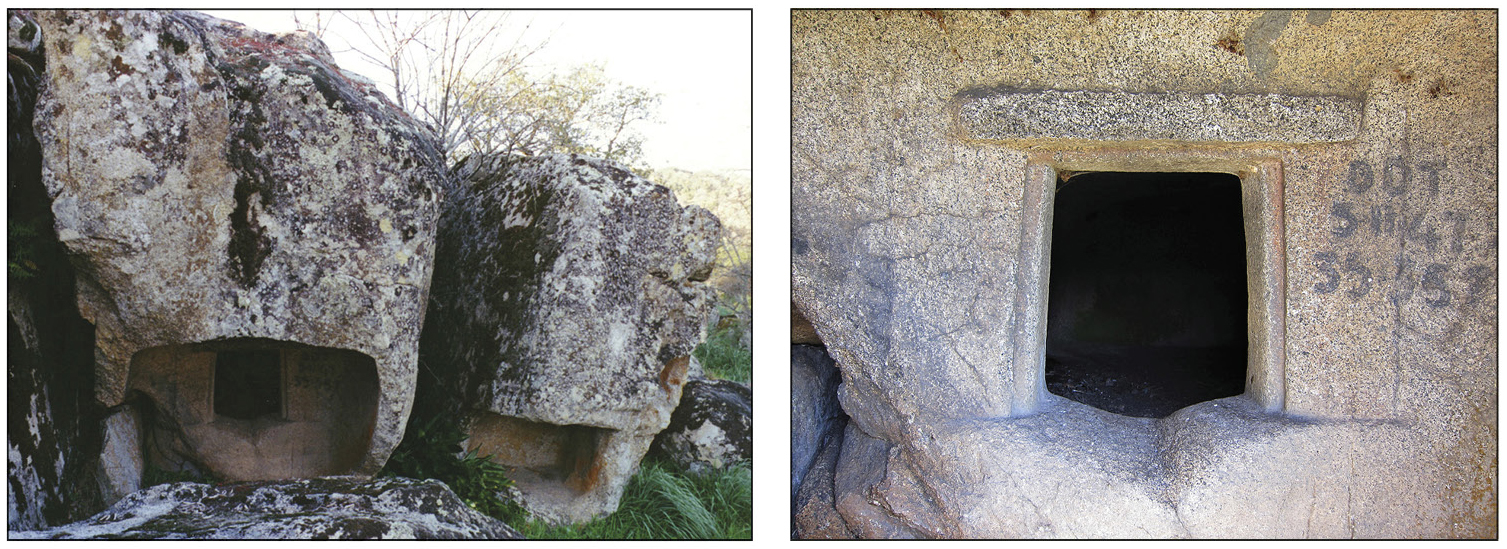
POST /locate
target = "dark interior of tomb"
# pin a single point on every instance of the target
(248, 383)
(1147, 304)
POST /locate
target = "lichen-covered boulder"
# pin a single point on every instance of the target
(712, 427)
(569, 294)
(252, 230)
(320, 508)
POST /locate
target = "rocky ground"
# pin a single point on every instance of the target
(323, 508)
(1145, 381)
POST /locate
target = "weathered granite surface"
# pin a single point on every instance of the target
(801, 331)
(909, 242)
(572, 352)
(319, 508)
(212, 183)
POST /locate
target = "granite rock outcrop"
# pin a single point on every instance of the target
(252, 232)
(572, 352)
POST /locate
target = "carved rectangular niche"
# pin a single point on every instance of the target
(261, 409)
(1261, 202)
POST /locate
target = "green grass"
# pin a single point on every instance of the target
(723, 358)
(663, 502)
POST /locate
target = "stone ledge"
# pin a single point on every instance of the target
(1122, 116)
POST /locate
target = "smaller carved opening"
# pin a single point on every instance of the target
(541, 455)
(248, 384)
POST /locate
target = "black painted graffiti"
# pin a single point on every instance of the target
(1352, 265)
(1385, 220)
(1481, 280)
(1427, 283)
(1435, 294)
(1360, 179)
(1324, 262)
(1430, 282)
(1397, 176)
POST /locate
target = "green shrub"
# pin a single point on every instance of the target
(20, 237)
(434, 450)
(664, 502)
(723, 356)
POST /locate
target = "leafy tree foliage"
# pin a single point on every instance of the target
(581, 111)
(728, 195)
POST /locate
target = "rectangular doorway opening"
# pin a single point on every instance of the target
(248, 384)
(1148, 291)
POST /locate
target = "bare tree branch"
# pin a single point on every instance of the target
(316, 22)
(456, 71)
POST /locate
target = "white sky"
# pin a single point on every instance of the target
(699, 60)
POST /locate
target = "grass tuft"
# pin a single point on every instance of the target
(724, 357)
(664, 502)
